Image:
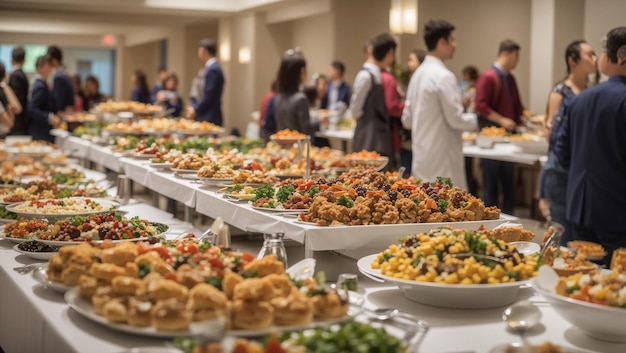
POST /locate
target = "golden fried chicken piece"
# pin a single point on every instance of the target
(101, 296)
(254, 289)
(170, 315)
(121, 254)
(265, 266)
(231, 279)
(252, 314)
(156, 263)
(329, 306)
(106, 271)
(124, 285)
(139, 312)
(115, 310)
(294, 309)
(205, 296)
(87, 286)
(281, 284)
(162, 289)
(76, 266)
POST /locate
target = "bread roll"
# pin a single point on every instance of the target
(170, 315)
(251, 315)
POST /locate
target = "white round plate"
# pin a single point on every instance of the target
(188, 176)
(458, 296)
(185, 171)
(107, 206)
(200, 132)
(40, 276)
(161, 165)
(152, 350)
(85, 308)
(143, 155)
(526, 247)
(277, 210)
(15, 240)
(244, 197)
(35, 255)
(214, 181)
(605, 323)
(59, 243)
(520, 348)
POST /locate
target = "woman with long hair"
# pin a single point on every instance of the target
(140, 92)
(581, 62)
(289, 108)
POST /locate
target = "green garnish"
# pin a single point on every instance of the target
(284, 192)
(215, 282)
(344, 201)
(263, 191)
(442, 204)
(144, 269)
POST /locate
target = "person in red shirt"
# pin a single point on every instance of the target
(394, 105)
(498, 104)
(265, 101)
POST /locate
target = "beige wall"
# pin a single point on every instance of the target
(193, 35)
(357, 21)
(600, 17)
(315, 36)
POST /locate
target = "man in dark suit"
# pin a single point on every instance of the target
(62, 88)
(19, 84)
(41, 105)
(592, 145)
(338, 91)
(209, 107)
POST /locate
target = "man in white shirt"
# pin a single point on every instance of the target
(434, 111)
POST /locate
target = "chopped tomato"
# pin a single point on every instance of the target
(171, 275)
(187, 248)
(247, 257)
(273, 346)
(216, 263)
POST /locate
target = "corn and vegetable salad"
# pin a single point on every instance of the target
(429, 257)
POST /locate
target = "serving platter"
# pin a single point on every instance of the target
(107, 206)
(276, 210)
(11, 239)
(43, 255)
(184, 171)
(457, 296)
(85, 308)
(41, 276)
(60, 243)
(214, 181)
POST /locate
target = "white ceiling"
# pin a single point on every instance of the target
(98, 17)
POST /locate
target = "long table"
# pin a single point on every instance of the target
(35, 319)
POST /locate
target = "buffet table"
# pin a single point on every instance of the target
(36, 319)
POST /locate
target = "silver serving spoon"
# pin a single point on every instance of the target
(521, 317)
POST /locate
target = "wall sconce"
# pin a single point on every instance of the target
(403, 17)
(244, 55)
(225, 52)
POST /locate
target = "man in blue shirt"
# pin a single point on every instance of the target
(592, 144)
(209, 107)
(62, 89)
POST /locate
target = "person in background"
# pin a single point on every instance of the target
(591, 145)
(434, 113)
(416, 57)
(158, 86)
(470, 76)
(169, 97)
(290, 107)
(321, 86)
(498, 104)
(79, 96)
(41, 110)
(62, 87)
(209, 107)
(92, 93)
(140, 91)
(372, 131)
(9, 104)
(20, 86)
(337, 96)
(394, 105)
(265, 101)
(311, 91)
(581, 61)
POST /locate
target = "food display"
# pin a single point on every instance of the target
(239, 191)
(189, 161)
(216, 171)
(493, 131)
(433, 257)
(362, 197)
(254, 177)
(170, 284)
(592, 250)
(34, 189)
(567, 263)
(366, 158)
(126, 106)
(344, 337)
(65, 206)
(6, 215)
(606, 289)
(287, 136)
(84, 229)
(32, 148)
(191, 127)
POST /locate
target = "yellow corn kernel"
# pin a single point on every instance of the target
(452, 278)
(421, 278)
(467, 281)
(492, 280)
(476, 278)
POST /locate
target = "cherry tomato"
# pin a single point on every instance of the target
(187, 248)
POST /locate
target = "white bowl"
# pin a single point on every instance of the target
(602, 322)
(457, 296)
